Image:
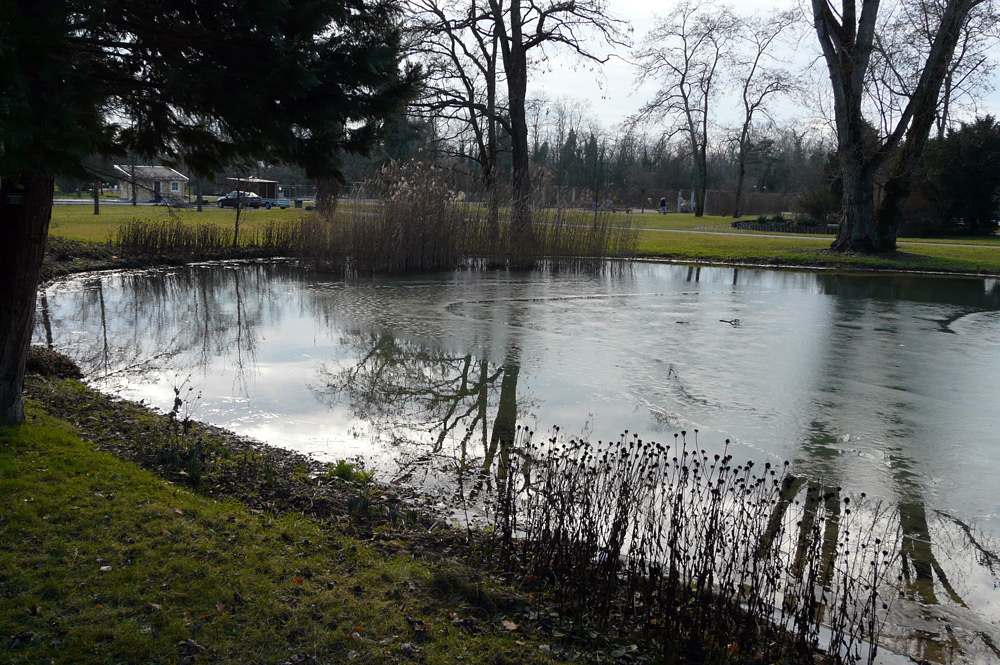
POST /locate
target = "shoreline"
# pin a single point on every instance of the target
(65, 257)
(324, 505)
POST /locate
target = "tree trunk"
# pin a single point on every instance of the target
(515, 60)
(25, 211)
(700, 183)
(97, 197)
(741, 172)
(520, 175)
(858, 215)
(327, 191)
(489, 158)
(492, 207)
(236, 226)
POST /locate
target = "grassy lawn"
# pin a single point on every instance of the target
(80, 222)
(958, 255)
(674, 236)
(104, 562)
(807, 251)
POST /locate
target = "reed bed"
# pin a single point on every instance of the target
(415, 224)
(718, 562)
(176, 239)
(418, 224)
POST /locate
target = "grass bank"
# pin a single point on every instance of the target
(103, 561)
(676, 237)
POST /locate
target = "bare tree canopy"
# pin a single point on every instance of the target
(686, 52)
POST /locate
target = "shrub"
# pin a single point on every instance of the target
(47, 362)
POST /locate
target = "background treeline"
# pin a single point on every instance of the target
(710, 140)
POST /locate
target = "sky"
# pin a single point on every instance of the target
(612, 92)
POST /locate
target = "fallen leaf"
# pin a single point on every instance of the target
(166, 532)
(509, 625)
(298, 580)
(221, 607)
(356, 636)
(155, 606)
(105, 569)
(191, 645)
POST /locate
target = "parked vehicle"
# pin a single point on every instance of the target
(276, 203)
(242, 199)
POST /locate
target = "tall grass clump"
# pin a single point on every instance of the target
(176, 239)
(718, 562)
(418, 223)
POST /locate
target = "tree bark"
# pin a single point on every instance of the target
(741, 172)
(517, 83)
(858, 215)
(701, 181)
(25, 212)
(515, 60)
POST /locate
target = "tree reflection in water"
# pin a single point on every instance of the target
(172, 321)
(444, 413)
(922, 542)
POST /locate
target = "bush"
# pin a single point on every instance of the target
(818, 203)
(47, 362)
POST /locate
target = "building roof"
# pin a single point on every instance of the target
(149, 172)
(250, 179)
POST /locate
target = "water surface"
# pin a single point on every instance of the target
(882, 384)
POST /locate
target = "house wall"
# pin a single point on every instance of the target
(147, 188)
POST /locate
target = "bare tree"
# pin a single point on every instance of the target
(760, 80)
(524, 28)
(458, 44)
(685, 52)
(906, 105)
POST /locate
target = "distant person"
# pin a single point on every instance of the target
(663, 205)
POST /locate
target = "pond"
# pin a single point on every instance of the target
(881, 384)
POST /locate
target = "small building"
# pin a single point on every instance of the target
(150, 183)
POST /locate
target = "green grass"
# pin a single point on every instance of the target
(103, 562)
(80, 222)
(957, 254)
(707, 238)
